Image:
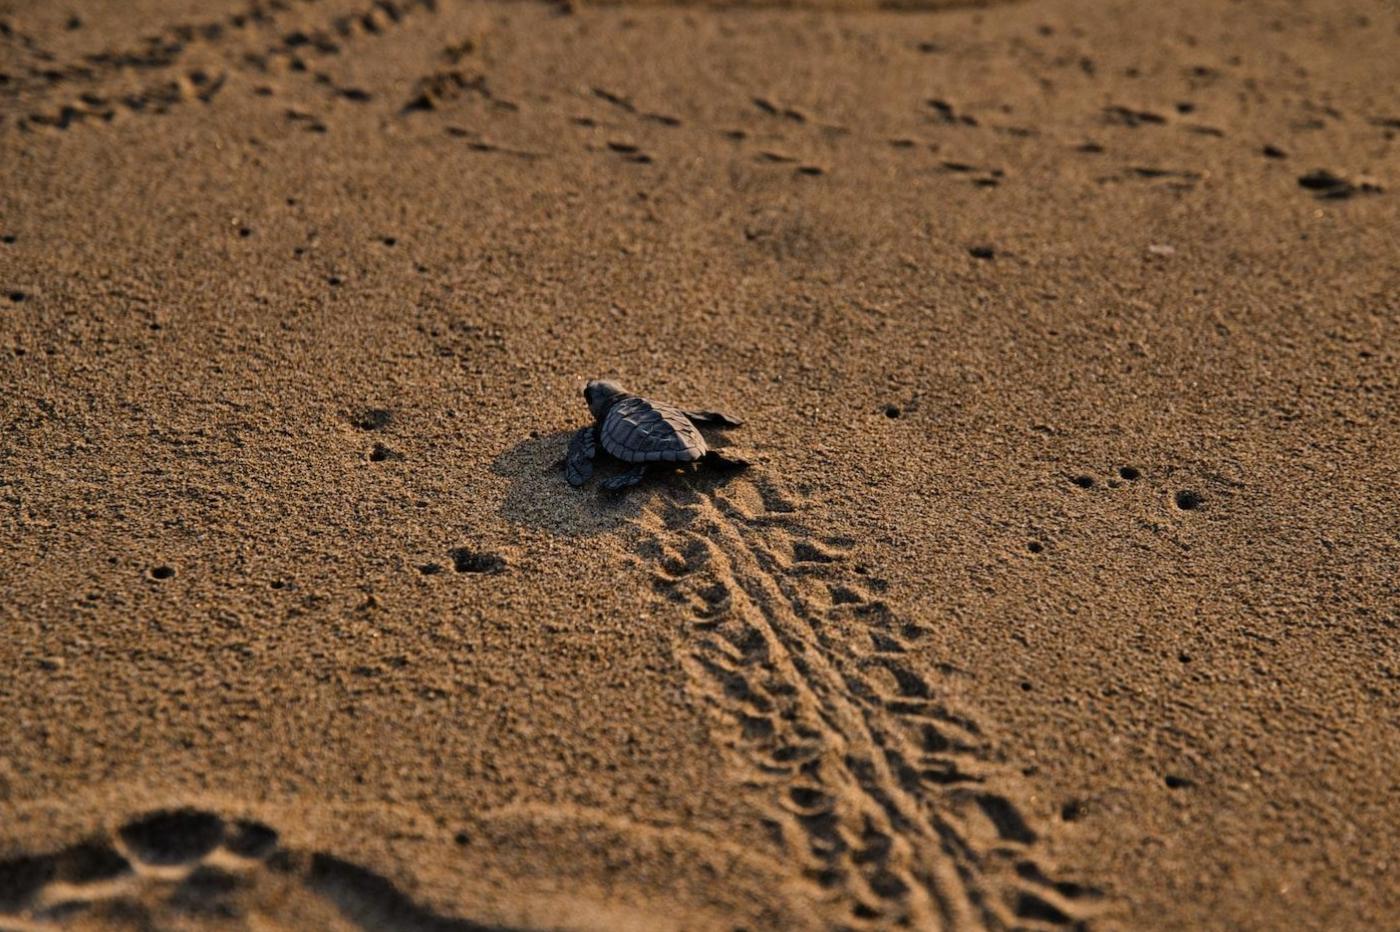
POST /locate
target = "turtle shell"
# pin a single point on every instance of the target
(636, 430)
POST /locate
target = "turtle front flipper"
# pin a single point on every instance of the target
(582, 448)
(624, 480)
(712, 419)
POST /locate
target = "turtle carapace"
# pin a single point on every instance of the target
(640, 431)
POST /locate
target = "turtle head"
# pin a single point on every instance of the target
(600, 395)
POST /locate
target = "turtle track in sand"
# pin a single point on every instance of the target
(883, 791)
(188, 868)
(191, 60)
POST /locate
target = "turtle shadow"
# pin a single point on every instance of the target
(539, 497)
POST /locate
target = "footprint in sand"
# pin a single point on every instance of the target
(189, 868)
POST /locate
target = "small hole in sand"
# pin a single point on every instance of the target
(245, 232)
(1177, 783)
(982, 252)
(1035, 546)
(1072, 811)
(380, 453)
(335, 281)
(8, 239)
(1189, 500)
(469, 561)
(892, 411)
(1132, 474)
(461, 839)
(162, 572)
(1026, 687)
(1184, 657)
(1084, 482)
(17, 296)
(430, 569)
(388, 241)
(808, 798)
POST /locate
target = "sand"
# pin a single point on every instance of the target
(1062, 590)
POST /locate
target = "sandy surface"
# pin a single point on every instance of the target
(1063, 590)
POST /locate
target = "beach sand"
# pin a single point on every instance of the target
(1062, 591)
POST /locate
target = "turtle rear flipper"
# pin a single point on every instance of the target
(624, 480)
(719, 460)
(582, 448)
(713, 419)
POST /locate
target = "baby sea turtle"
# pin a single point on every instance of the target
(640, 431)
